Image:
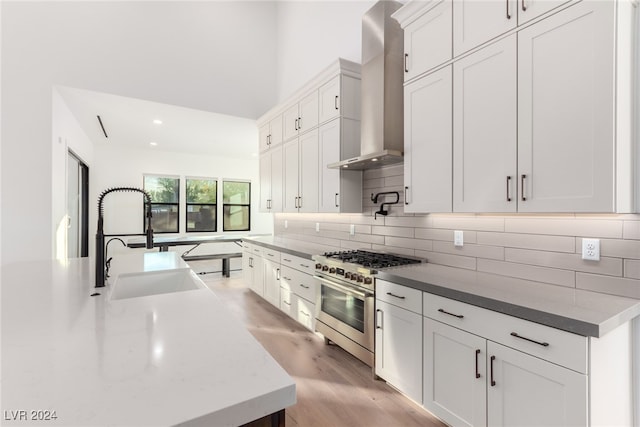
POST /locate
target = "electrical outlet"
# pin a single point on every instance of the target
(317, 227)
(352, 229)
(286, 224)
(591, 249)
(458, 238)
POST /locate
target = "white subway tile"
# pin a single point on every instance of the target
(609, 285)
(448, 259)
(554, 276)
(586, 227)
(469, 249)
(444, 235)
(476, 223)
(615, 248)
(608, 266)
(392, 231)
(528, 241)
(631, 230)
(408, 221)
(402, 242)
(632, 268)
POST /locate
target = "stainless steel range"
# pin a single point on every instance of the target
(346, 297)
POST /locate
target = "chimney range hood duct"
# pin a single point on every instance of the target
(382, 121)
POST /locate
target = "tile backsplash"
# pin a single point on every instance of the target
(541, 248)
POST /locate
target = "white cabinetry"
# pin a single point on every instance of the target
(301, 117)
(428, 143)
(301, 173)
(271, 262)
(427, 38)
(298, 289)
(271, 185)
(484, 129)
(252, 268)
(270, 134)
(321, 125)
(399, 337)
(340, 190)
(530, 9)
(475, 22)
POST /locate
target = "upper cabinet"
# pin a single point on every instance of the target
(270, 134)
(542, 120)
(320, 124)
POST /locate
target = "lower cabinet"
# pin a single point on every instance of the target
(252, 269)
(297, 290)
(272, 282)
(471, 381)
(398, 348)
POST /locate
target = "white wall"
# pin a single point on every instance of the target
(123, 212)
(312, 34)
(173, 52)
(66, 135)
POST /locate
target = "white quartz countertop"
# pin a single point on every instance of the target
(168, 359)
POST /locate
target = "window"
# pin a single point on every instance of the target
(165, 197)
(236, 197)
(201, 204)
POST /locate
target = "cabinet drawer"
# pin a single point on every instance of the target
(287, 303)
(305, 312)
(398, 295)
(560, 347)
(271, 255)
(298, 282)
(299, 263)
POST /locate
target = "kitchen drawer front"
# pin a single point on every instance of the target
(299, 263)
(398, 295)
(556, 346)
(271, 255)
(298, 282)
(305, 312)
(247, 246)
(287, 303)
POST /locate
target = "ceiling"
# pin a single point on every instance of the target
(129, 123)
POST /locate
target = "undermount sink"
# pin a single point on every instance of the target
(132, 285)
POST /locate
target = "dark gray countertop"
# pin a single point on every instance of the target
(581, 312)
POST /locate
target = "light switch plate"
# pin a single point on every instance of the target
(352, 229)
(458, 238)
(591, 249)
(317, 227)
(286, 224)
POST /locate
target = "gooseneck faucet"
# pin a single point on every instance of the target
(100, 246)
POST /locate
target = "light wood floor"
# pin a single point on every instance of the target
(333, 387)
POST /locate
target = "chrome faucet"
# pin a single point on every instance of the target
(100, 246)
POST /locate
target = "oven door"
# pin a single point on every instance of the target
(347, 309)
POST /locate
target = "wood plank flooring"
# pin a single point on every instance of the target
(333, 387)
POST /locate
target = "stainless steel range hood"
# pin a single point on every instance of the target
(382, 125)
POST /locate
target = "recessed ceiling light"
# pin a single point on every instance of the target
(345, 166)
(157, 122)
(153, 144)
(374, 160)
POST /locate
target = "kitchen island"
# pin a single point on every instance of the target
(69, 358)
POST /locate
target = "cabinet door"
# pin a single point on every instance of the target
(308, 170)
(454, 374)
(428, 40)
(530, 391)
(329, 100)
(399, 348)
(428, 143)
(290, 123)
(308, 112)
(566, 111)
(287, 302)
(247, 269)
(476, 22)
(276, 179)
(263, 137)
(271, 282)
(484, 129)
(290, 176)
(265, 182)
(275, 131)
(529, 9)
(257, 284)
(329, 151)
(305, 312)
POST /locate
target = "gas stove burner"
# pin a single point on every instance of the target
(372, 260)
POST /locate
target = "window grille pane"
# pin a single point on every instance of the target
(236, 218)
(165, 218)
(201, 218)
(236, 193)
(201, 190)
(162, 189)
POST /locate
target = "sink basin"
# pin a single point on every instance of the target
(132, 285)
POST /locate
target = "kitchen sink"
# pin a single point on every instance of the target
(133, 285)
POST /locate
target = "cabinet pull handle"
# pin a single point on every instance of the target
(304, 286)
(305, 266)
(406, 57)
(459, 316)
(508, 188)
(336, 200)
(522, 178)
(395, 296)
(288, 303)
(270, 254)
(250, 262)
(544, 344)
(286, 260)
(493, 383)
(277, 274)
(300, 202)
(296, 124)
(295, 203)
(379, 324)
(406, 195)
(286, 278)
(477, 354)
(524, 7)
(299, 123)
(306, 314)
(335, 103)
(508, 14)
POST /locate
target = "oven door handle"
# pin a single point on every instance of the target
(347, 290)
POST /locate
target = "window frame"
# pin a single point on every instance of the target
(248, 205)
(187, 204)
(176, 204)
